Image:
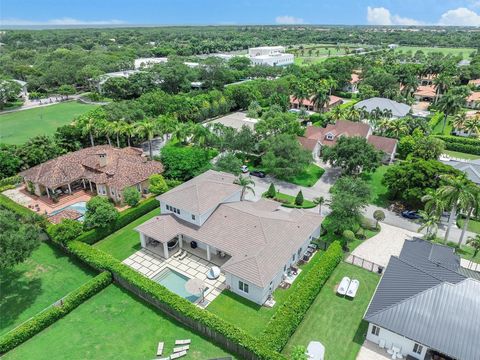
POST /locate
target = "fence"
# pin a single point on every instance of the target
(364, 264)
(470, 265)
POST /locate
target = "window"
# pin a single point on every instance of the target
(375, 330)
(193, 217)
(417, 348)
(168, 207)
(243, 286)
(329, 136)
(293, 257)
(299, 251)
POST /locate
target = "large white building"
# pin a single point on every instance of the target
(270, 55)
(148, 62)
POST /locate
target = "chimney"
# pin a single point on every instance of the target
(102, 159)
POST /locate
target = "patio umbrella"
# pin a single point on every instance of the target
(195, 287)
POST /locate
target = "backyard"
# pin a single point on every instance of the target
(126, 241)
(337, 321)
(112, 325)
(17, 127)
(378, 190)
(44, 278)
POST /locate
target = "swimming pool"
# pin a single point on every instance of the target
(175, 282)
(80, 206)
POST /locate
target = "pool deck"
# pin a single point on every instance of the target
(150, 264)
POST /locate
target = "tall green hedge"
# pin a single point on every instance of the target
(291, 313)
(45, 318)
(461, 144)
(103, 261)
(125, 218)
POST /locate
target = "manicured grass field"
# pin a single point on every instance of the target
(460, 155)
(465, 52)
(126, 241)
(308, 177)
(113, 325)
(377, 189)
(249, 316)
(438, 129)
(17, 127)
(307, 204)
(473, 225)
(44, 278)
(337, 321)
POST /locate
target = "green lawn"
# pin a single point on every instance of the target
(378, 190)
(438, 129)
(17, 127)
(465, 52)
(290, 200)
(126, 241)
(460, 155)
(249, 316)
(308, 177)
(44, 278)
(473, 225)
(112, 325)
(337, 321)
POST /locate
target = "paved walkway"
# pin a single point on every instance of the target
(371, 351)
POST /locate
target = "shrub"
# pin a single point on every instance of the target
(100, 213)
(132, 196)
(378, 215)
(12, 180)
(171, 183)
(461, 144)
(45, 318)
(157, 185)
(299, 199)
(291, 313)
(271, 192)
(66, 231)
(349, 235)
(435, 119)
(20, 210)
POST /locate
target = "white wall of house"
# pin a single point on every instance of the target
(392, 338)
(274, 59)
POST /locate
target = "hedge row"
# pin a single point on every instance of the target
(291, 313)
(9, 204)
(44, 319)
(125, 218)
(435, 119)
(12, 180)
(461, 144)
(178, 305)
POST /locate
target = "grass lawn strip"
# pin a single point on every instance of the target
(30, 287)
(308, 177)
(126, 241)
(113, 325)
(337, 321)
(249, 316)
(289, 200)
(473, 225)
(460, 155)
(377, 189)
(17, 127)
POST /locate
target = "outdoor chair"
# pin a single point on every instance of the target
(181, 348)
(160, 348)
(178, 354)
(183, 342)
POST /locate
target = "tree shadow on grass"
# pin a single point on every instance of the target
(18, 293)
(361, 333)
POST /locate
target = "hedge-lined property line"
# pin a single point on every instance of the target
(11, 205)
(201, 321)
(461, 144)
(435, 119)
(288, 317)
(125, 218)
(47, 317)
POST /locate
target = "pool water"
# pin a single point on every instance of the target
(80, 206)
(175, 282)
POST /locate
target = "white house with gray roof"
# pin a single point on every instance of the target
(398, 110)
(426, 305)
(254, 243)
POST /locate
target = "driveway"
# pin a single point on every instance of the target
(378, 249)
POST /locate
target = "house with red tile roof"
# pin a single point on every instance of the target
(309, 104)
(425, 93)
(317, 137)
(473, 100)
(103, 169)
(352, 86)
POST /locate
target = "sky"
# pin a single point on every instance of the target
(236, 12)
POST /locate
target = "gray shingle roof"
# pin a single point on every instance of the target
(427, 297)
(398, 109)
(470, 168)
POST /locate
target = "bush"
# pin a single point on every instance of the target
(171, 183)
(349, 235)
(45, 318)
(66, 231)
(291, 313)
(171, 301)
(100, 213)
(157, 185)
(299, 199)
(461, 144)
(131, 196)
(125, 218)
(435, 119)
(271, 192)
(12, 180)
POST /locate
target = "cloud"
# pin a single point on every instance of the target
(60, 21)
(460, 17)
(383, 16)
(289, 20)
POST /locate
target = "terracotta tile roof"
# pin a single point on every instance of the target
(259, 238)
(474, 97)
(123, 167)
(308, 144)
(427, 91)
(65, 214)
(474, 82)
(355, 78)
(333, 100)
(382, 143)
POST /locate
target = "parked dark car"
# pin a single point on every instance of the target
(257, 173)
(410, 214)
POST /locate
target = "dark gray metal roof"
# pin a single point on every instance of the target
(426, 296)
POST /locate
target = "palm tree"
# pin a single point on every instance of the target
(245, 183)
(472, 125)
(147, 129)
(442, 83)
(459, 120)
(300, 93)
(337, 113)
(105, 128)
(434, 203)
(320, 201)
(321, 98)
(353, 114)
(397, 128)
(89, 125)
(474, 242)
(117, 128)
(129, 131)
(450, 104)
(183, 131)
(429, 222)
(469, 202)
(200, 134)
(451, 192)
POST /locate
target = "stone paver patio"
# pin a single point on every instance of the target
(150, 264)
(371, 351)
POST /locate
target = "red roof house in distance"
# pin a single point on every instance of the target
(309, 104)
(473, 100)
(352, 86)
(317, 137)
(475, 82)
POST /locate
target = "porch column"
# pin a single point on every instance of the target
(69, 188)
(84, 186)
(180, 241)
(208, 253)
(143, 241)
(48, 193)
(90, 183)
(165, 250)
